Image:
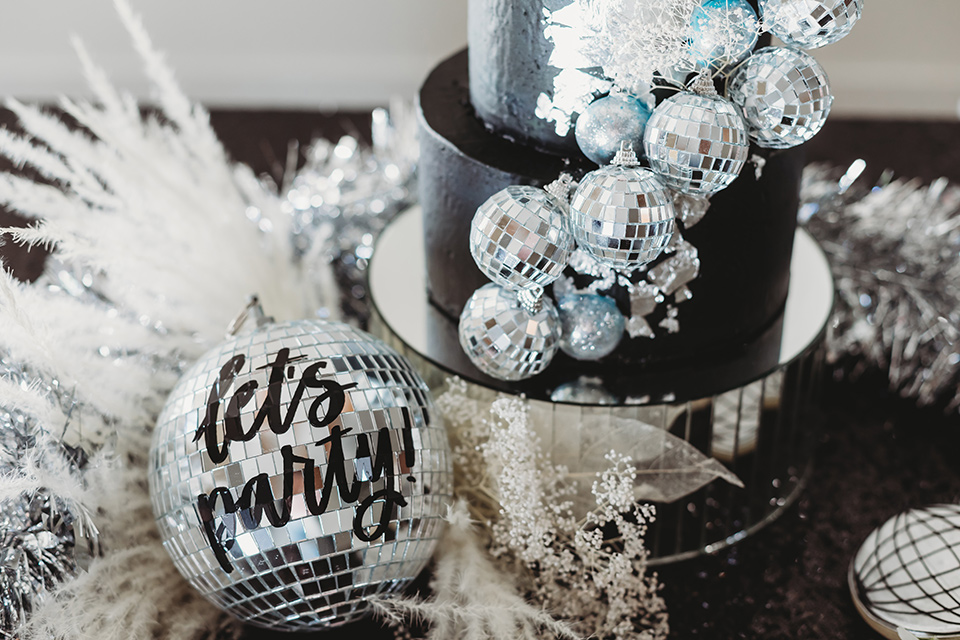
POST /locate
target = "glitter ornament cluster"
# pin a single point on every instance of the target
(298, 470)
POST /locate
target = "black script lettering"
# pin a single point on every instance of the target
(336, 472)
(223, 537)
(391, 499)
(270, 409)
(333, 392)
(208, 426)
(256, 499)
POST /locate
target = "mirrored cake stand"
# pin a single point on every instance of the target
(752, 407)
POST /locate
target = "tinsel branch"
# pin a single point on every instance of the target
(893, 252)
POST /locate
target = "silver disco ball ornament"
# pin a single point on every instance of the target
(784, 95)
(297, 470)
(810, 24)
(696, 143)
(592, 326)
(607, 122)
(518, 238)
(723, 32)
(622, 215)
(504, 340)
(907, 574)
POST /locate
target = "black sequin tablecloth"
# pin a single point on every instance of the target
(877, 454)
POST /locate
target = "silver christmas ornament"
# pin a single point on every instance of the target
(609, 121)
(784, 95)
(622, 215)
(722, 33)
(592, 326)
(504, 340)
(297, 470)
(696, 143)
(907, 574)
(810, 24)
(518, 238)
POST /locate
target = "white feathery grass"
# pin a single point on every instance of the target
(169, 238)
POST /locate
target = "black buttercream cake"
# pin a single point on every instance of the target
(479, 134)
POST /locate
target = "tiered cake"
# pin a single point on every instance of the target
(734, 381)
(480, 133)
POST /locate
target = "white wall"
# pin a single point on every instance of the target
(903, 59)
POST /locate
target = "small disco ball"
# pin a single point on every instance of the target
(592, 325)
(696, 143)
(784, 94)
(810, 24)
(518, 238)
(723, 32)
(298, 469)
(505, 341)
(609, 121)
(622, 216)
(907, 574)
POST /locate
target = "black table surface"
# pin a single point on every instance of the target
(877, 453)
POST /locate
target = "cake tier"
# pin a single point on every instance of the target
(744, 241)
(509, 69)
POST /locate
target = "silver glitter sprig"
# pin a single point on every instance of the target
(894, 254)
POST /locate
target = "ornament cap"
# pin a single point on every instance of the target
(531, 300)
(703, 85)
(625, 157)
(254, 311)
(560, 188)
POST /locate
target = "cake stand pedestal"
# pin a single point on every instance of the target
(751, 408)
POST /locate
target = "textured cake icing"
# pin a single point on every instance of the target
(480, 133)
(509, 69)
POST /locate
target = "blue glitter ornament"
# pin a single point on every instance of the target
(592, 326)
(723, 32)
(609, 121)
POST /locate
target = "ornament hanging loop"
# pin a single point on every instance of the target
(253, 310)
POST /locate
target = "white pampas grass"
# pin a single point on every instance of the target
(158, 241)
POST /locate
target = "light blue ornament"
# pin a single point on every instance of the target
(609, 121)
(592, 326)
(722, 33)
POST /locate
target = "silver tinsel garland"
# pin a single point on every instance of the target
(37, 535)
(894, 250)
(347, 192)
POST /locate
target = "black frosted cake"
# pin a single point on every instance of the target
(479, 134)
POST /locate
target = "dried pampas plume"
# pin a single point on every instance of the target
(158, 240)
